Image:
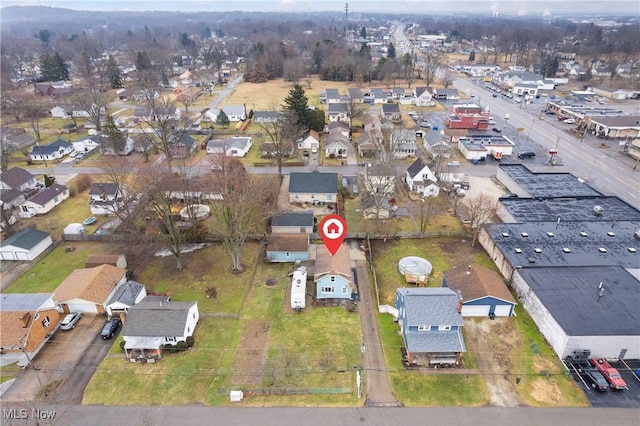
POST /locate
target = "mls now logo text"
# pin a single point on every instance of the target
(23, 413)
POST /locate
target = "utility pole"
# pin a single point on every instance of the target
(346, 20)
(30, 364)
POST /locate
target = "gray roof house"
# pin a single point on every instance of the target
(313, 187)
(431, 323)
(292, 222)
(266, 116)
(18, 178)
(151, 325)
(127, 295)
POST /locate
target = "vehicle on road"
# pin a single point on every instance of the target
(495, 96)
(610, 374)
(496, 129)
(453, 163)
(526, 154)
(70, 320)
(569, 121)
(110, 328)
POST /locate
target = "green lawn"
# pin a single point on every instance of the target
(8, 372)
(47, 274)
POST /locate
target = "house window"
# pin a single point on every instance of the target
(333, 279)
(344, 290)
(424, 327)
(444, 327)
(194, 315)
(188, 329)
(45, 322)
(287, 254)
(36, 316)
(328, 289)
(170, 339)
(55, 199)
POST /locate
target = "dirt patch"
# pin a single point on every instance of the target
(545, 391)
(251, 357)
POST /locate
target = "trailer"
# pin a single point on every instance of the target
(299, 289)
(497, 155)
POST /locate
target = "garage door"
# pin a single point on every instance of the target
(85, 307)
(475, 310)
(503, 310)
(22, 255)
(6, 255)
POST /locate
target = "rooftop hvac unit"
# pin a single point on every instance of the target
(598, 210)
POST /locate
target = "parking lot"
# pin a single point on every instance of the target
(616, 398)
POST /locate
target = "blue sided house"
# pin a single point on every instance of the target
(332, 275)
(431, 325)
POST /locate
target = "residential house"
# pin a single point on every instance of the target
(10, 199)
(54, 151)
(446, 94)
(398, 93)
(235, 112)
(27, 244)
(336, 146)
(88, 290)
(287, 247)
(18, 178)
(43, 89)
(182, 145)
(261, 117)
(199, 190)
(88, 143)
(105, 198)
(146, 113)
(16, 137)
(403, 143)
(44, 201)
(187, 94)
(211, 114)
(431, 325)
(337, 112)
(292, 223)
(373, 207)
(331, 96)
(391, 112)
(59, 112)
(467, 116)
(313, 187)
(27, 321)
(117, 260)
(339, 127)
(355, 94)
(513, 77)
(378, 95)
(366, 146)
(126, 296)
(237, 146)
(107, 147)
(151, 325)
(423, 96)
(421, 179)
(332, 274)
(380, 179)
(436, 144)
(309, 140)
(482, 291)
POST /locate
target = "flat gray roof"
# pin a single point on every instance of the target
(17, 302)
(570, 209)
(548, 185)
(571, 295)
(538, 244)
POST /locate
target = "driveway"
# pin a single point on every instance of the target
(64, 366)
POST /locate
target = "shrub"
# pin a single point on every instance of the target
(190, 341)
(181, 346)
(169, 347)
(79, 184)
(122, 343)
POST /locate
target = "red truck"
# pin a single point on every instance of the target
(610, 374)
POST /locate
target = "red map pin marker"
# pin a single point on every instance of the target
(333, 229)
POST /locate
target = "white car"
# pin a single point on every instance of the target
(569, 121)
(70, 320)
(453, 163)
(314, 150)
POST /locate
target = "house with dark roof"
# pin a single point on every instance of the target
(421, 179)
(27, 244)
(17, 178)
(292, 223)
(11, 198)
(287, 247)
(366, 146)
(431, 325)
(313, 187)
(482, 291)
(423, 96)
(27, 321)
(337, 112)
(262, 117)
(151, 325)
(332, 274)
(340, 127)
(391, 112)
(336, 145)
(127, 295)
(182, 145)
(54, 151)
(355, 94)
(105, 198)
(378, 95)
(44, 201)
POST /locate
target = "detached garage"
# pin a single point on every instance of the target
(88, 290)
(482, 291)
(25, 245)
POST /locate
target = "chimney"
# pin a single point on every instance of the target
(24, 318)
(460, 300)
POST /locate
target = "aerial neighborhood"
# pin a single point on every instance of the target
(164, 185)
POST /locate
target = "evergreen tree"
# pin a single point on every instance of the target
(142, 61)
(222, 119)
(113, 73)
(472, 56)
(363, 32)
(298, 103)
(116, 140)
(391, 51)
(53, 67)
(315, 120)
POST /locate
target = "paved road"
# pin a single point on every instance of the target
(186, 415)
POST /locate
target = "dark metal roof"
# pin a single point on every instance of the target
(314, 182)
(157, 319)
(547, 184)
(571, 295)
(104, 188)
(26, 239)
(538, 244)
(570, 209)
(293, 219)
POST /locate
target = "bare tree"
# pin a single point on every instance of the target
(355, 109)
(431, 61)
(93, 102)
(479, 210)
(35, 108)
(380, 186)
(448, 75)
(246, 204)
(278, 137)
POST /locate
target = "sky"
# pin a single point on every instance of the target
(510, 7)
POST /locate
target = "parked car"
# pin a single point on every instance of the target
(110, 328)
(453, 163)
(526, 154)
(73, 154)
(314, 150)
(70, 320)
(595, 379)
(569, 121)
(497, 130)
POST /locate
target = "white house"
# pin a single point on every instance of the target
(53, 151)
(108, 149)
(127, 295)
(309, 140)
(423, 97)
(44, 201)
(336, 146)
(235, 112)
(338, 112)
(25, 245)
(421, 179)
(237, 146)
(105, 198)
